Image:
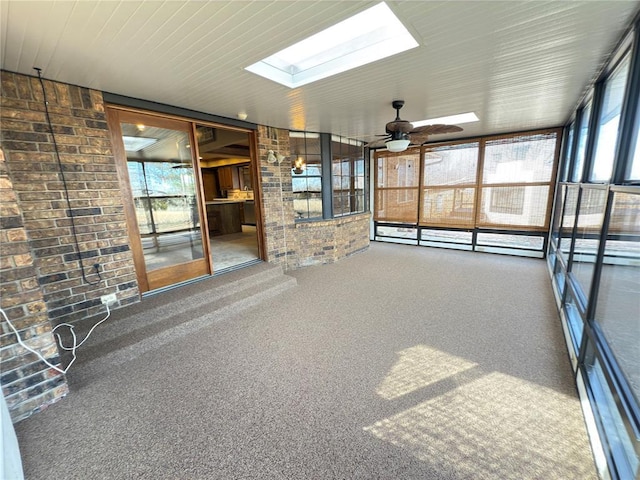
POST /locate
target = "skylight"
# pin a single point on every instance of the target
(368, 36)
(450, 120)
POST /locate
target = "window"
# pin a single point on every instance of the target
(618, 306)
(567, 154)
(516, 180)
(307, 179)
(608, 123)
(570, 193)
(348, 176)
(576, 175)
(621, 438)
(635, 163)
(459, 193)
(449, 179)
(593, 202)
(634, 167)
(595, 266)
(328, 176)
(397, 179)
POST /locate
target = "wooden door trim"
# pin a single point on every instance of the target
(167, 276)
(167, 116)
(257, 192)
(120, 156)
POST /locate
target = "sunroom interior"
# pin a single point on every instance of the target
(239, 170)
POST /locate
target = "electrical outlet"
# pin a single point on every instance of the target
(108, 299)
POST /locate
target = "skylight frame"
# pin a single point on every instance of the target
(366, 37)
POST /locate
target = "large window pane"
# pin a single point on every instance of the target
(449, 177)
(448, 207)
(576, 175)
(524, 159)
(306, 175)
(634, 169)
(307, 197)
(397, 171)
(397, 205)
(164, 192)
(514, 206)
(567, 154)
(557, 215)
(574, 314)
(568, 220)
(516, 181)
(347, 173)
(618, 307)
(397, 177)
(621, 439)
(590, 217)
(608, 122)
(451, 165)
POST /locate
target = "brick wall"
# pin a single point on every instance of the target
(42, 282)
(330, 240)
(291, 244)
(27, 383)
(34, 174)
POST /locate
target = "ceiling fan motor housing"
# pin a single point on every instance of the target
(403, 130)
(401, 126)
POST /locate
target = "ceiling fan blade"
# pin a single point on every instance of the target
(399, 126)
(418, 138)
(436, 129)
(378, 143)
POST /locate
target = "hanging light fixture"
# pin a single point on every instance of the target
(397, 145)
(299, 166)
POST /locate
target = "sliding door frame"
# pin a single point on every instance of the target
(114, 114)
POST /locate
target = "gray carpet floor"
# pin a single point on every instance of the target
(397, 363)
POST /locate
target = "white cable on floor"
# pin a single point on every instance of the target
(71, 349)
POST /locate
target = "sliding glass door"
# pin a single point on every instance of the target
(165, 204)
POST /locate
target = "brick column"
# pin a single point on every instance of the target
(277, 198)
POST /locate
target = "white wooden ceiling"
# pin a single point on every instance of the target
(516, 64)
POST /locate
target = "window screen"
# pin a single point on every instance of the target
(397, 180)
(450, 183)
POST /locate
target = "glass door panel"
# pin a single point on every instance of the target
(226, 165)
(164, 183)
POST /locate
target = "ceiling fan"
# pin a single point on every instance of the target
(401, 133)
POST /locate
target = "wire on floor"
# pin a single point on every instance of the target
(72, 348)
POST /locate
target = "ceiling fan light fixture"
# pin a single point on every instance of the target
(397, 145)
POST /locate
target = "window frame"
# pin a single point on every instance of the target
(353, 177)
(575, 176)
(326, 177)
(596, 125)
(294, 176)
